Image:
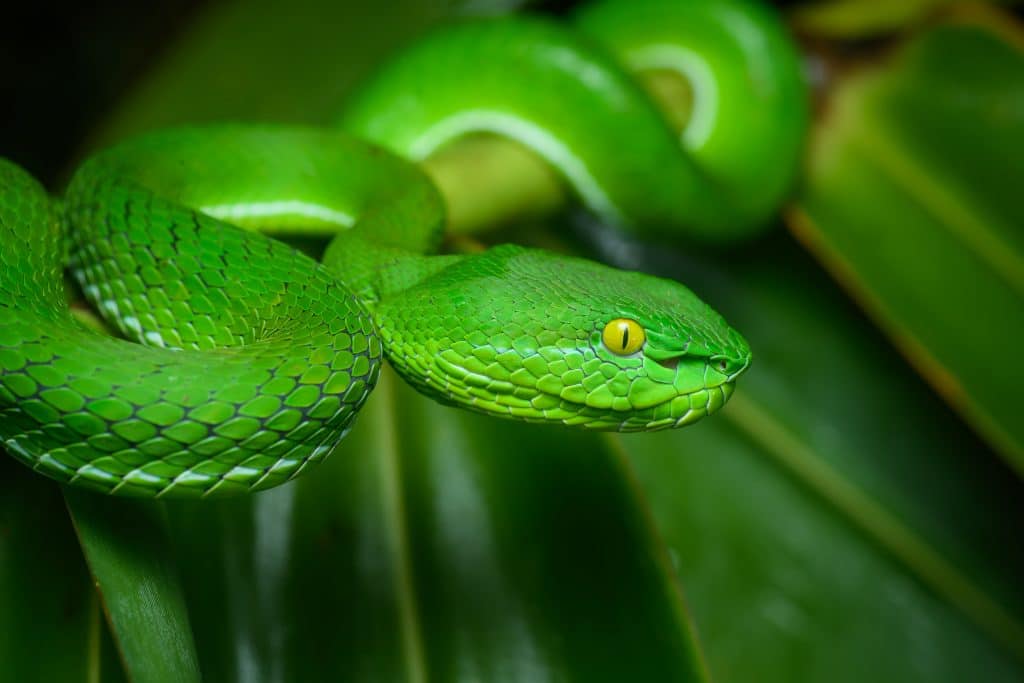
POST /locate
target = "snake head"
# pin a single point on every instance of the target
(528, 334)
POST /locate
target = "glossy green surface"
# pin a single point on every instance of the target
(126, 543)
(919, 215)
(720, 180)
(432, 548)
(748, 102)
(785, 584)
(262, 358)
(252, 359)
(517, 333)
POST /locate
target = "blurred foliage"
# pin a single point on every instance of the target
(835, 522)
(837, 512)
(912, 201)
(863, 18)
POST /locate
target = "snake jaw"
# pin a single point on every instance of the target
(658, 388)
(716, 397)
(518, 333)
(702, 385)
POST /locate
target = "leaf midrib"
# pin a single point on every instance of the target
(949, 210)
(877, 523)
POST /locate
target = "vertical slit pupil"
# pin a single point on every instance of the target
(625, 336)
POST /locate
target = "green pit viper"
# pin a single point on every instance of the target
(245, 361)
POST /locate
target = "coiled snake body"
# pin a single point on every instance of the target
(246, 361)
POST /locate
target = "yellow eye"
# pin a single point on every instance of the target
(623, 336)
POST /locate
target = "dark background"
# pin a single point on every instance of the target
(63, 65)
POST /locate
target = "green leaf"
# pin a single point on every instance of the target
(251, 60)
(438, 545)
(364, 570)
(532, 555)
(50, 623)
(129, 555)
(835, 521)
(912, 200)
(300, 582)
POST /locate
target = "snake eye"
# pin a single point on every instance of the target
(623, 336)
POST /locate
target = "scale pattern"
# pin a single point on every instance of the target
(251, 364)
(244, 361)
(516, 333)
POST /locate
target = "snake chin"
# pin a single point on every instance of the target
(716, 397)
(693, 396)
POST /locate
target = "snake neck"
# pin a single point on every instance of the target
(400, 276)
(376, 272)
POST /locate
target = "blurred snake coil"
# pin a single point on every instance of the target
(244, 361)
